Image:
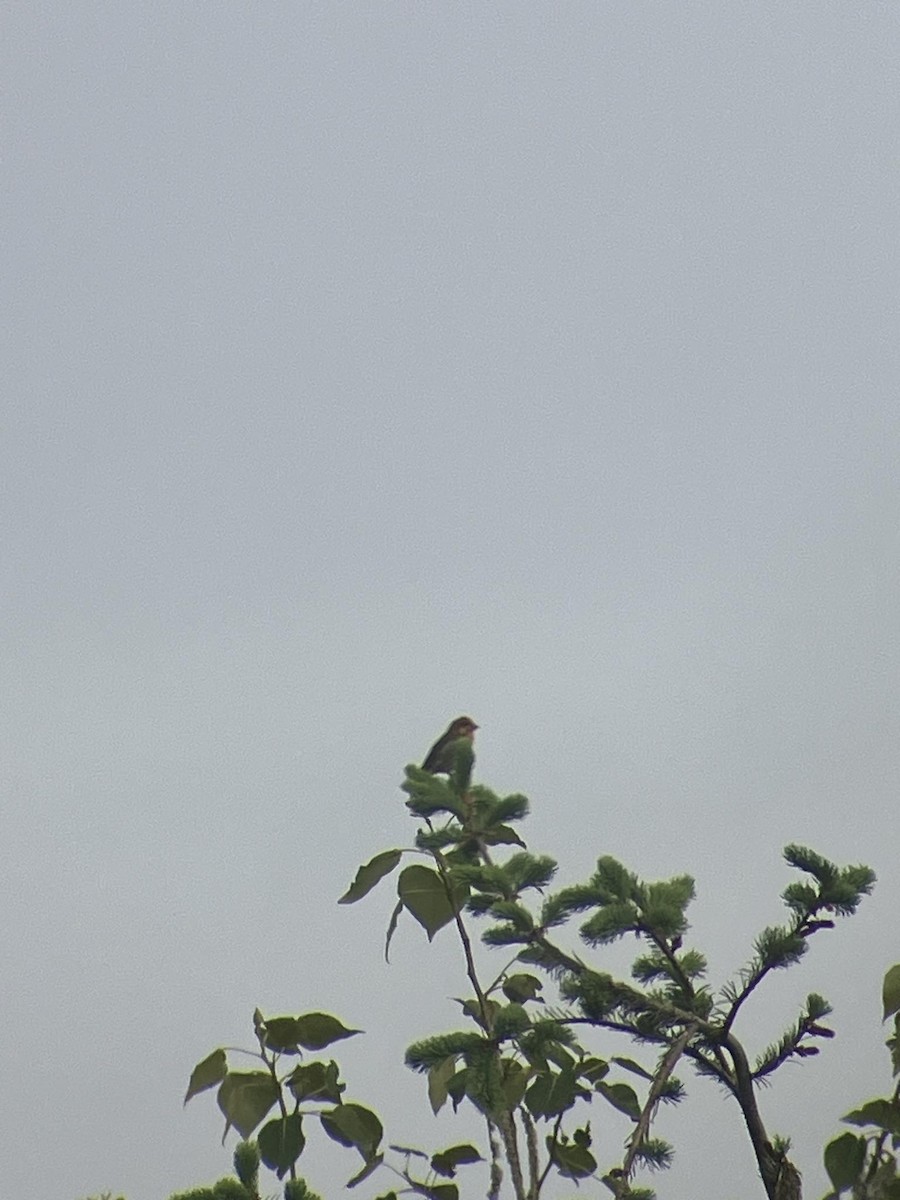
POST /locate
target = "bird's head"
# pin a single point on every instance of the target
(462, 727)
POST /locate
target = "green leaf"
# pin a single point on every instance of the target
(443, 1191)
(882, 1113)
(552, 1093)
(207, 1074)
(592, 1070)
(281, 1034)
(630, 1065)
(844, 1159)
(502, 835)
(316, 1081)
(439, 1077)
(445, 1162)
(354, 1125)
(571, 1160)
(622, 1097)
(317, 1030)
(392, 929)
(245, 1097)
(423, 893)
(515, 1079)
(521, 988)
(369, 874)
(891, 992)
(281, 1143)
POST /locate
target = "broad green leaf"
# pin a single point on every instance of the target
(502, 835)
(622, 1097)
(369, 874)
(445, 1162)
(552, 1093)
(560, 1056)
(245, 1097)
(281, 1143)
(316, 1081)
(354, 1125)
(592, 1070)
(883, 1113)
(424, 895)
(521, 988)
(571, 1160)
(443, 1191)
(891, 992)
(317, 1030)
(207, 1074)
(844, 1159)
(281, 1034)
(630, 1065)
(438, 1078)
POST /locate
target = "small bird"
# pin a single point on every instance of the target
(441, 758)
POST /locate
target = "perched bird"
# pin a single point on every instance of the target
(441, 758)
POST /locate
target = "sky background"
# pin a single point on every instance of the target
(369, 363)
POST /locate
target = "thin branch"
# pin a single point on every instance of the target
(664, 1070)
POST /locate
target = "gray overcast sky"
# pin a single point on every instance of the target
(366, 363)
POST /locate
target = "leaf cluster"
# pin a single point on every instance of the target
(868, 1163)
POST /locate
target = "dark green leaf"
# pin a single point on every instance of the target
(439, 1077)
(844, 1159)
(317, 1030)
(443, 1191)
(370, 874)
(552, 1093)
(592, 1070)
(883, 1113)
(891, 992)
(423, 893)
(316, 1081)
(281, 1034)
(622, 1097)
(571, 1160)
(630, 1065)
(207, 1074)
(245, 1097)
(281, 1143)
(392, 929)
(446, 1161)
(502, 835)
(354, 1125)
(515, 1080)
(521, 987)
